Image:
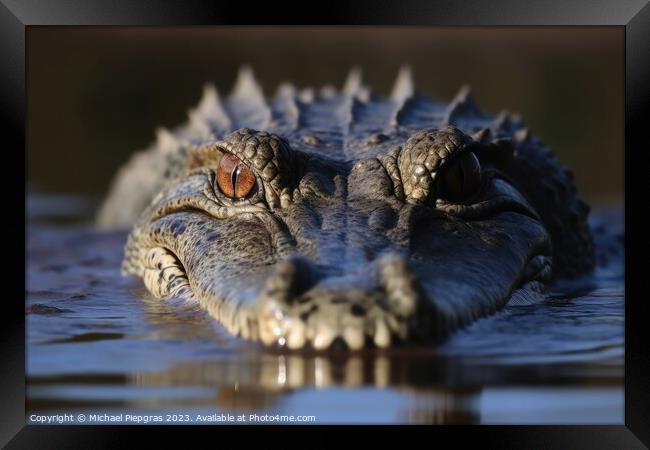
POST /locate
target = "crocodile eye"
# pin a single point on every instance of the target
(461, 178)
(234, 178)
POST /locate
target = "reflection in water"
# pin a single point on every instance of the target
(262, 384)
(97, 342)
(274, 373)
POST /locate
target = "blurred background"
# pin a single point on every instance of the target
(95, 95)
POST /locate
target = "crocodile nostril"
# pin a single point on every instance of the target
(400, 284)
(293, 278)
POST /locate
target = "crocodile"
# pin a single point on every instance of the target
(327, 218)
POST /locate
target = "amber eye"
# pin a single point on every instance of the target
(460, 178)
(234, 178)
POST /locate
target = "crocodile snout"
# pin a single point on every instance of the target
(302, 304)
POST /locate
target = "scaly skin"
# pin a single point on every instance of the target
(372, 220)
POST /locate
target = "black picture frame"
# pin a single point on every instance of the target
(634, 15)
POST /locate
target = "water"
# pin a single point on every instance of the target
(98, 344)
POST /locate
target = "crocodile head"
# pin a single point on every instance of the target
(351, 218)
(295, 249)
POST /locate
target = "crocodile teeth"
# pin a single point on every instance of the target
(353, 336)
(324, 337)
(269, 333)
(296, 336)
(382, 334)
